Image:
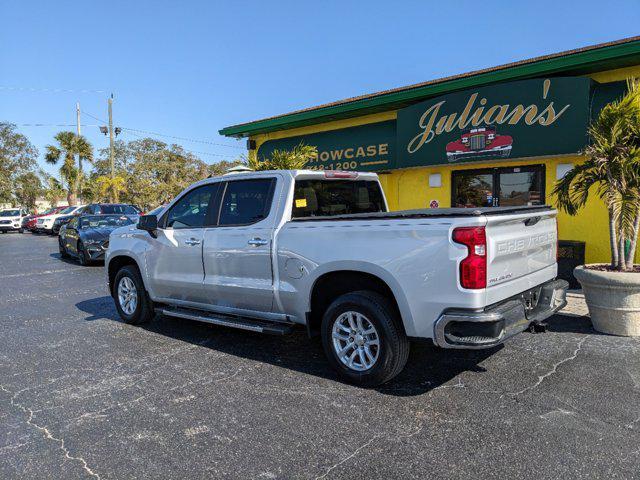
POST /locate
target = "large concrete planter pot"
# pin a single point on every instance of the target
(613, 299)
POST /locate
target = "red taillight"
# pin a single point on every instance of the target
(473, 269)
(339, 174)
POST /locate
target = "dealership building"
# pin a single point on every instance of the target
(494, 137)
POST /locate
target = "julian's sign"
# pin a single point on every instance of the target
(370, 147)
(518, 119)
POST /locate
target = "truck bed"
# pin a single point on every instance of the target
(429, 213)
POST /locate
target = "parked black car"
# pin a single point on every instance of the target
(110, 208)
(59, 222)
(96, 209)
(86, 237)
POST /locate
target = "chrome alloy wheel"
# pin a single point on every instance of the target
(127, 295)
(355, 341)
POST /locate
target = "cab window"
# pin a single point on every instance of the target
(192, 210)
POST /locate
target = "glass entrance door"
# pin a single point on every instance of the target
(510, 186)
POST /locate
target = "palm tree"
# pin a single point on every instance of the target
(69, 146)
(293, 159)
(54, 190)
(613, 168)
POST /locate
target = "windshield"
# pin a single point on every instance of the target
(125, 209)
(67, 210)
(102, 221)
(10, 213)
(314, 198)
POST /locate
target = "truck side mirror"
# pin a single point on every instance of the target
(148, 223)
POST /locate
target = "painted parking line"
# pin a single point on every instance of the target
(43, 272)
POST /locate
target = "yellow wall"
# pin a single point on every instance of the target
(409, 188)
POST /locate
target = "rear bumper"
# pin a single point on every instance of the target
(496, 323)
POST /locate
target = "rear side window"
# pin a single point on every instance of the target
(246, 201)
(116, 209)
(314, 198)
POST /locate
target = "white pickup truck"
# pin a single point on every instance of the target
(264, 251)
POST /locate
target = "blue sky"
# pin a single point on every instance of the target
(190, 68)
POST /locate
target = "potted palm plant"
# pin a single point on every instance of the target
(612, 172)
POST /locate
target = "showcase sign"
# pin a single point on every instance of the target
(369, 147)
(518, 119)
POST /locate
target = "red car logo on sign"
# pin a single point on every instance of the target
(479, 142)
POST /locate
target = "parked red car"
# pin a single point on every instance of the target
(480, 142)
(30, 224)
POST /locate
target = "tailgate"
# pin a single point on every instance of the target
(520, 244)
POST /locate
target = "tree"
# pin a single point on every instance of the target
(223, 166)
(54, 190)
(159, 172)
(69, 146)
(17, 157)
(110, 187)
(28, 188)
(122, 158)
(613, 169)
(294, 159)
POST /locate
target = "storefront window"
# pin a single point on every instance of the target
(512, 186)
(520, 188)
(473, 190)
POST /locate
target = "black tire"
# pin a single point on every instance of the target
(21, 230)
(144, 308)
(394, 344)
(62, 249)
(83, 256)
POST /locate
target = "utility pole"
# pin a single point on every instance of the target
(111, 160)
(79, 132)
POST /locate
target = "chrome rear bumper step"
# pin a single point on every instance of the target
(252, 325)
(497, 323)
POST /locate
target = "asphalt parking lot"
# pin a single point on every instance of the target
(83, 395)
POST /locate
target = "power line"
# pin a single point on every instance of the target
(50, 90)
(206, 142)
(185, 139)
(92, 116)
(51, 125)
(186, 150)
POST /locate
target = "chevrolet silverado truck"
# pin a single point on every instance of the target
(266, 251)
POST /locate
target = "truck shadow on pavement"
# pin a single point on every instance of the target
(571, 323)
(428, 367)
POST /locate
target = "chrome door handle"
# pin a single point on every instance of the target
(192, 241)
(256, 242)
